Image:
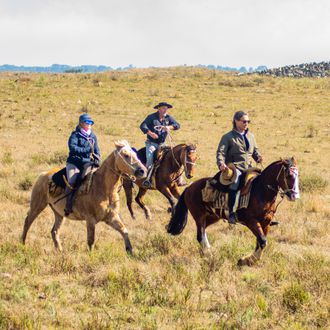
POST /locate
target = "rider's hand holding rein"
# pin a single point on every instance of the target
(222, 167)
(152, 134)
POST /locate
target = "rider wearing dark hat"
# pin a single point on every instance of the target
(237, 147)
(83, 152)
(156, 126)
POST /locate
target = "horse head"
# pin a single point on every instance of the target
(127, 161)
(288, 180)
(189, 160)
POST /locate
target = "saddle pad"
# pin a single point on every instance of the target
(83, 184)
(57, 178)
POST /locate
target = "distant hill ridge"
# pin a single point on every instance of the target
(63, 68)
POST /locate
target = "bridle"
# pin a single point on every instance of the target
(187, 161)
(129, 164)
(284, 190)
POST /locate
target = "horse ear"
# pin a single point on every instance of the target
(118, 144)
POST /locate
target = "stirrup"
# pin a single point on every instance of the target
(232, 219)
(67, 212)
(146, 184)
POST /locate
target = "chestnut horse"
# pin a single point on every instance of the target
(179, 159)
(101, 203)
(279, 177)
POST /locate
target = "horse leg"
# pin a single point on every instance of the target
(90, 225)
(205, 242)
(59, 220)
(139, 199)
(257, 230)
(261, 243)
(175, 191)
(39, 201)
(129, 196)
(167, 193)
(115, 222)
(202, 239)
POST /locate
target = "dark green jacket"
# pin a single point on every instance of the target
(233, 148)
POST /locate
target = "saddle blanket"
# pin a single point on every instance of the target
(58, 182)
(218, 200)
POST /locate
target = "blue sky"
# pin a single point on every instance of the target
(164, 32)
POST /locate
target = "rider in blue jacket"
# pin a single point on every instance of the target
(83, 152)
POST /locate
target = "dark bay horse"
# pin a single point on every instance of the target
(179, 159)
(279, 177)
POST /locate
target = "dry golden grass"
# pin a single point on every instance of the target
(168, 283)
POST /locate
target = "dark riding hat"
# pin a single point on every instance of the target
(163, 104)
(86, 118)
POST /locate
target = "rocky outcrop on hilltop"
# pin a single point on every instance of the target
(321, 69)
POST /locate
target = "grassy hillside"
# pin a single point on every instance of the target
(168, 283)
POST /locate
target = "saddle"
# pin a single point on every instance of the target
(158, 156)
(58, 181)
(216, 195)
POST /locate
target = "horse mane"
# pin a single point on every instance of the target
(122, 143)
(284, 161)
(190, 146)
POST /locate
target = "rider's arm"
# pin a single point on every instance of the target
(173, 124)
(145, 125)
(222, 151)
(256, 154)
(96, 147)
(74, 148)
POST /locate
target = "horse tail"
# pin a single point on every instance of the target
(179, 217)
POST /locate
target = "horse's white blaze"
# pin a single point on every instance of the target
(295, 190)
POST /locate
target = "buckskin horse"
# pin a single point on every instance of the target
(280, 177)
(100, 203)
(179, 159)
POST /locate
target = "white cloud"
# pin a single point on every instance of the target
(162, 33)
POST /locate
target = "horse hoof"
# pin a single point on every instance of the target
(169, 210)
(129, 252)
(245, 262)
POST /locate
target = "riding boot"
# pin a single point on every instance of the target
(146, 183)
(231, 202)
(69, 193)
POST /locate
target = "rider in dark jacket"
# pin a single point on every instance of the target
(238, 147)
(156, 126)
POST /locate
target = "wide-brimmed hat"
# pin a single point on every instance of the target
(86, 118)
(163, 104)
(228, 175)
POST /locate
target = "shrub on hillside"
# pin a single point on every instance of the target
(294, 297)
(25, 184)
(7, 158)
(312, 183)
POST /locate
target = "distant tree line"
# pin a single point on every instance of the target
(63, 68)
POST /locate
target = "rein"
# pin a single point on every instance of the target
(186, 161)
(279, 189)
(129, 164)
